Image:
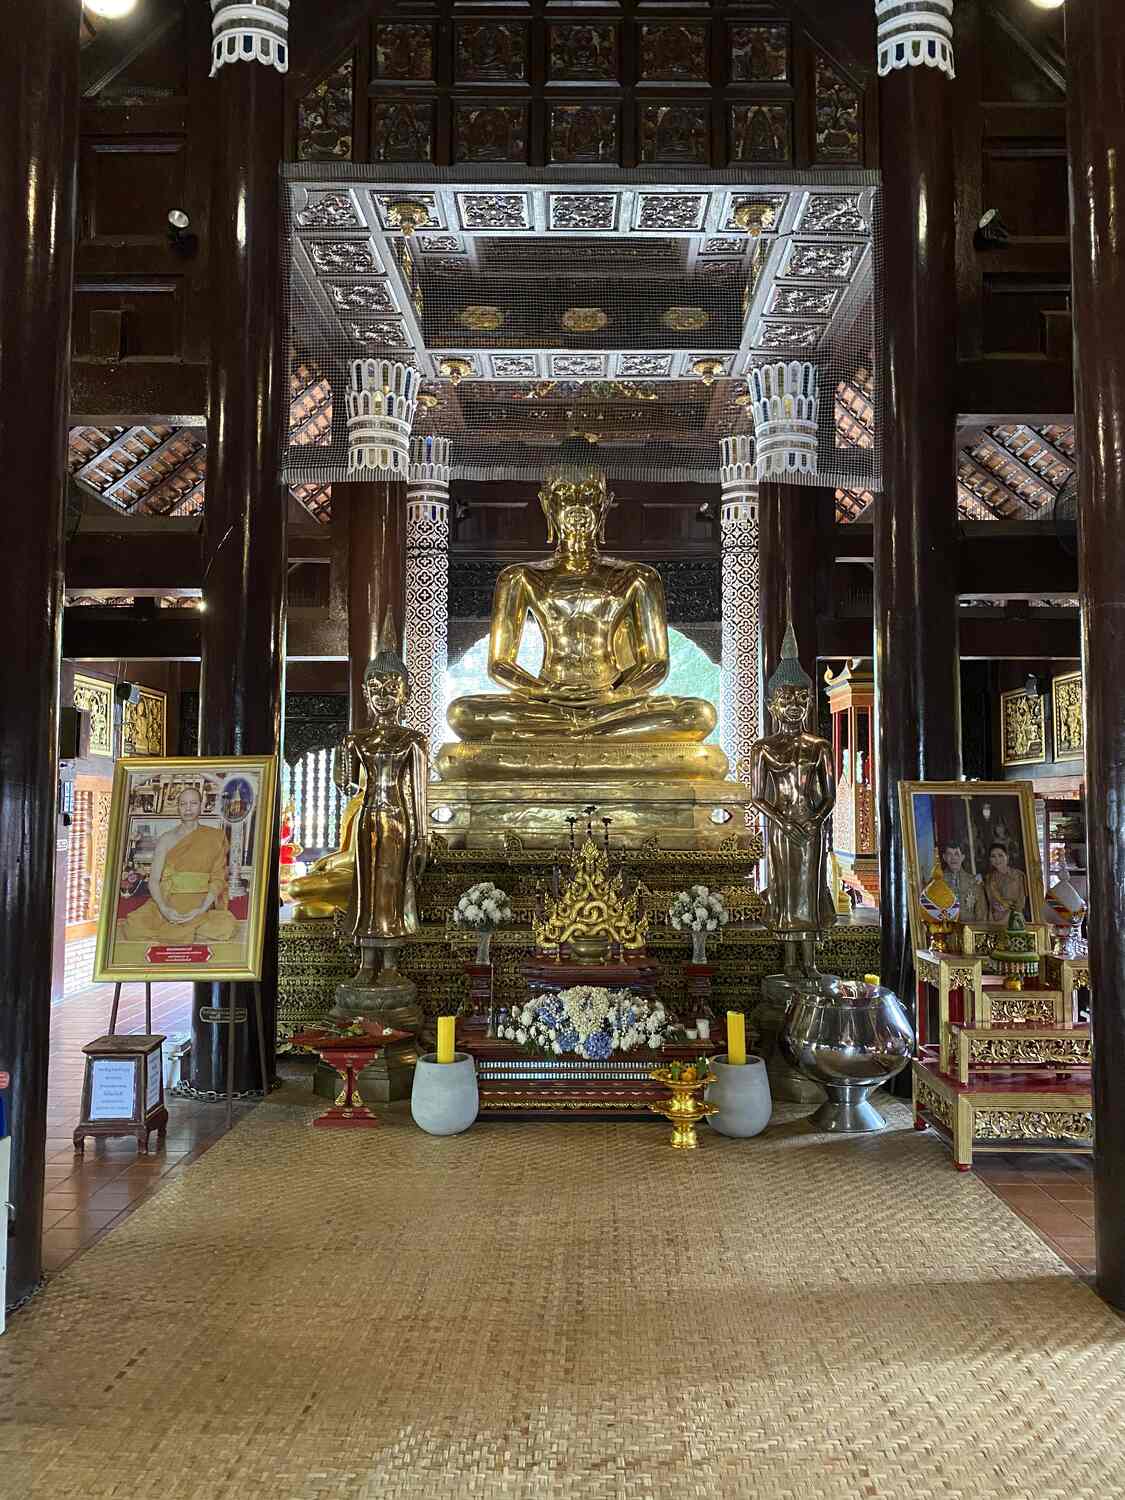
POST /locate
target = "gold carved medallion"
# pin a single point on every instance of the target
(584, 319)
(685, 319)
(480, 317)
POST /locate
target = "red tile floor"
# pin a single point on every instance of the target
(87, 1195)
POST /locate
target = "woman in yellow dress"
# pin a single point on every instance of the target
(187, 884)
(1005, 888)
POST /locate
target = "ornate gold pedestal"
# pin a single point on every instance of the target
(675, 791)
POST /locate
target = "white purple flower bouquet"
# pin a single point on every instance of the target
(588, 1021)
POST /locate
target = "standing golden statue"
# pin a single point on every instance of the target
(388, 761)
(605, 649)
(793, 786)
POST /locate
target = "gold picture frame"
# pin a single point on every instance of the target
(1068, 710)
(94, 696)
(1023, 729)
(976, 815)
(209, 858)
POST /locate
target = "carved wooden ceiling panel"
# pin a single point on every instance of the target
(598, 282)
(611, 84)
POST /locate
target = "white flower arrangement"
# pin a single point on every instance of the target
(589, 1021)
(698, 910)
(483, 907)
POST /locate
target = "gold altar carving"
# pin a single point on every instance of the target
(929, 1101)
(94, 696)
(1016, 1008)
(1012, 1051)
(1023, 732)
(1069, 716)
(593, 912)
(1033, 1124)
(143, 724)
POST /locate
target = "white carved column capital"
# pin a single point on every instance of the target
(915, 34)
(250, 31)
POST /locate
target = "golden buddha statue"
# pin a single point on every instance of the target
(326, 886)
(593, 705)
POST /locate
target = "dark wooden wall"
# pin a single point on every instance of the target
(1014, 335)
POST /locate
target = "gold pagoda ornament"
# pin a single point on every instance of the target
(592, 913)
(940, 907)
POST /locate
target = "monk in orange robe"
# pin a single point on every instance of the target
(187, 884)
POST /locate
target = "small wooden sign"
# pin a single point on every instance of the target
(123, 1090)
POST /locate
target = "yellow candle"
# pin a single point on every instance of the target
(446, 1027)
(736, 1037)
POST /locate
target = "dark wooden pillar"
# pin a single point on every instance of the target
(376, 521)
(38, 166)
(790, 544)
(1095, 61)
(916, 673)
(244, 524)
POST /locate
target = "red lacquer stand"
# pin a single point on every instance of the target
(348, 1054)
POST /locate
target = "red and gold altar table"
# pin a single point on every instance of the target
(349, 1053)
(513, 1082)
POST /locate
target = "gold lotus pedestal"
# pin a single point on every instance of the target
(686, 1107)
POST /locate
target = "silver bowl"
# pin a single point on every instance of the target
(850, 1037)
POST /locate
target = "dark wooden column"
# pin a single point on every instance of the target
(1095, 62)
(244, 523)
(376, 521)
(790, 544)
(38, 168)
(916, 670)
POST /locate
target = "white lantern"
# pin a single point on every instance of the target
(250, 31)
(915, 34)
(382, 397)
(786, 401)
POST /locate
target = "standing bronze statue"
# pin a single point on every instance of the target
(794, 787)
(388, 762)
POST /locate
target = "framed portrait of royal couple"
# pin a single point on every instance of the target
(187, 868)
(982, 834)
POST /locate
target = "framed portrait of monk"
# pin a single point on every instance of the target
(982, 834)
(187, 868)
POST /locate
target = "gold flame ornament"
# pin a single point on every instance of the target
(592, 912)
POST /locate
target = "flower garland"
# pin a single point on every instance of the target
(589, 1021)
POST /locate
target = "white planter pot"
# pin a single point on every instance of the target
(444, 1099)
(742, 1093)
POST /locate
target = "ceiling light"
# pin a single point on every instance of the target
(455, 369)
(408, 215)
(110, 10)
(707, 369)
(1047, 4)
